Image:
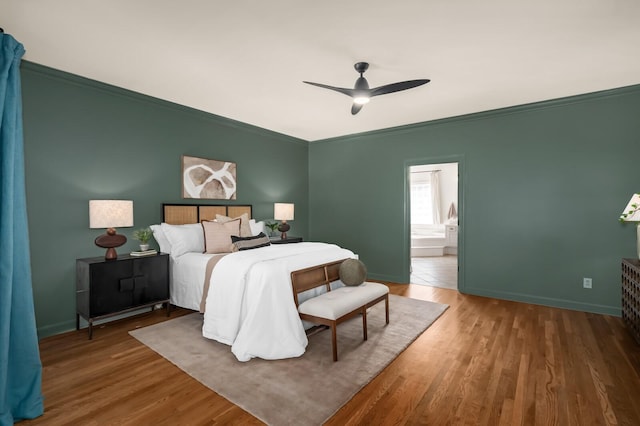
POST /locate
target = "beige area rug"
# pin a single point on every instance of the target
(299, 391)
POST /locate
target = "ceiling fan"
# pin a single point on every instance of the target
(361, 93)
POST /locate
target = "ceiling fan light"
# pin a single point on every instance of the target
(361, 100)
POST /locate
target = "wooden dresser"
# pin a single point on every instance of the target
(631, 295)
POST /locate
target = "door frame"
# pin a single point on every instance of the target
(459, 158)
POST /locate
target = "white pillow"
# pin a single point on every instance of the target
(256, 227)
(184, 238)
(161, 238)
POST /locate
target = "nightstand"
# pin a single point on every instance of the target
(105, 288)
(288, 240)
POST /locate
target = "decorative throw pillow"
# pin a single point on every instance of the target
(248, 243)
(183, 238)
(352, 272)
(217, 236)
(245, 228)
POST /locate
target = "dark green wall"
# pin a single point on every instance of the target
(87, 140)
(542, 187)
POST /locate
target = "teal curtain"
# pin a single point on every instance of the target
(20, 366)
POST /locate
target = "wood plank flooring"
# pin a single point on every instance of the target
(484, 362)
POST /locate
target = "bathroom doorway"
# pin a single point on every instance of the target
(433, 224)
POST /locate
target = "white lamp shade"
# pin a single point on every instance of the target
(631, 213)
(110, 213)
(283, 211)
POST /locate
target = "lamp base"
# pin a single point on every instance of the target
(111, 254)
(110, 241)
(283, 227)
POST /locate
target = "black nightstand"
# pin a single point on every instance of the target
(106, 288)
(288, 240)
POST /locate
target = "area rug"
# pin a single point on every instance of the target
(299, 391)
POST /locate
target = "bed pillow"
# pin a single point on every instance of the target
(245, 228)
(184, 238)
(256, 227)
(161, 238)
(352, 272)
(248, 243)
(217, 235)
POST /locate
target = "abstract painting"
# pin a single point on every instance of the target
(208, 179)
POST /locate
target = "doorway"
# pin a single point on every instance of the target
(433, 224)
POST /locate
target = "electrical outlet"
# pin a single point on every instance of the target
(586, 282)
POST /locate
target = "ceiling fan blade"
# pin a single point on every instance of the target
(396, 87)
(344, 91)
(355, 108)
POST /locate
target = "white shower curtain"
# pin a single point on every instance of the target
(435, 196)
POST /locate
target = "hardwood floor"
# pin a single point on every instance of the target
(484, 362)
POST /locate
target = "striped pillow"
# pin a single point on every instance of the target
(248, 243)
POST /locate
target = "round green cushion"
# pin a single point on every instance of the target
(352, 272)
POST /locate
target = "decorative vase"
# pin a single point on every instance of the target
(638, 242)
(144, 247)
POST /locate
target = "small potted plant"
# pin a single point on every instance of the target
(143, 235)
(272, 226)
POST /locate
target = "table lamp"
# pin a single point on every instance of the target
(631, 213)
(110, 214)
(283, 212)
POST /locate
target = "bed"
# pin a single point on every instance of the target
(246, 296)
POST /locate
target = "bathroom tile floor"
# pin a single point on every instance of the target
(438, 271)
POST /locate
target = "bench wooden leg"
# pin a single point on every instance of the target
(364, 322)
(334, 341)
(386, 307)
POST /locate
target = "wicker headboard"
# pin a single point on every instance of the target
(179, 214)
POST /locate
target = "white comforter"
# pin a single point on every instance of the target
(250, 301)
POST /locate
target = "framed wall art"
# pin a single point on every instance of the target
(208, 179)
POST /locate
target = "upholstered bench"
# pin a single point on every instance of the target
(335, 306)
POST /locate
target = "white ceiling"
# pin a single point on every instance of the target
(246, 60)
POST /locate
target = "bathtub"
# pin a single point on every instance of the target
(430, 242)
